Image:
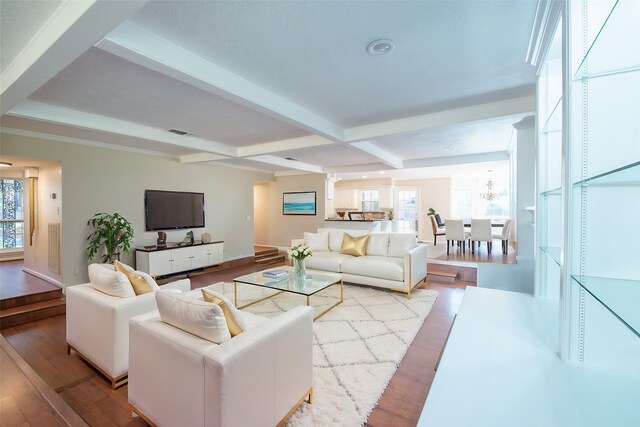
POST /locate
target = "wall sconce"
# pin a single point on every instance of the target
(32, 174)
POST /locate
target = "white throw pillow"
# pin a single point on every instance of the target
(105, 279)
(317, 242)
(194, 316)
(378, 244)
(401, 244)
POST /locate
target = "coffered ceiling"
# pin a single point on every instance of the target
(270, 85)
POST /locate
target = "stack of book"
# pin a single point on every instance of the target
(275, 274)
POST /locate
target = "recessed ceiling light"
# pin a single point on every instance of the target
(5, 164)
(364, 176)
(381, 172)
(380, 47)
(338, 179)
(449, 148)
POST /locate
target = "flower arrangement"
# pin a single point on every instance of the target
(300, 252)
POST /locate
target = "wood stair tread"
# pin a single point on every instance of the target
(32, 312)
(443, 273)
(271, 259)
(40, 305)
(21, 300)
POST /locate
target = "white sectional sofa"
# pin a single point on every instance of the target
(393, 261)
(256, 378)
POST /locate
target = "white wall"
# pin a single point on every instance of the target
(103, 180)
(47, 210)
(278, 229)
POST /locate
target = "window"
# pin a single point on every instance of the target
(11, 214)
(407, 210)
(370, 200)
(467, 202)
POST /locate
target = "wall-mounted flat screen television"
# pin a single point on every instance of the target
(172, 210)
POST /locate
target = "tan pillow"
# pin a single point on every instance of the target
(138, 281)
(356, 246)
(230, 312)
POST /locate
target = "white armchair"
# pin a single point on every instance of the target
(257, 378)
(98, 326)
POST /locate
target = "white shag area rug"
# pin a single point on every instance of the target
(357, 346)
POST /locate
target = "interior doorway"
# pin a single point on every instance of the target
(408, 211)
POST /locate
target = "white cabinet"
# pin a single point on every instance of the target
(175, 259)
(346, 199)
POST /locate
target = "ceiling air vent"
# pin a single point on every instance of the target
(291, 158)
(179, 132)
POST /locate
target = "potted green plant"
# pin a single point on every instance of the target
(390, 214)
(111, 232)
(431, 211)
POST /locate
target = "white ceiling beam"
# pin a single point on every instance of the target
(442, 118)
(140, 46)
(370, 167)
(283, 145)
(201, 158)
(457, 160)
(380, 154)
(64, 116)
(72, 29)
(287, 164)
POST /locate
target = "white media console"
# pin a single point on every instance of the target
(177, 258)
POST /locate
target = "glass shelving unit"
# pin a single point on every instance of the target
(603, 268)
(549, 171)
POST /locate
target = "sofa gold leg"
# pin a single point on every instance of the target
(304, 397)
(141, 415)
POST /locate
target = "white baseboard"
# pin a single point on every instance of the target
(43, 277)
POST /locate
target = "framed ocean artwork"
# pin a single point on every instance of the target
(299, 203)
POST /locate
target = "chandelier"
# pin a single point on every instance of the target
(489, 195)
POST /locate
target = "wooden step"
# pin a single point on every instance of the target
(31, 312)
(265, 252)
(17, 301)
(449, 276)
(279, 258)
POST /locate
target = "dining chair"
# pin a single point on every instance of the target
(481, 232)
(455, 233)
(436, 231)
(503, 235)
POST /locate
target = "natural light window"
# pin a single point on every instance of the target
(467, 202)
(11, 214)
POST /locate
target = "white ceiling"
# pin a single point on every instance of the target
(259, 82)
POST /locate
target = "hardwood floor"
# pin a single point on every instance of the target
(16, 282)
(43, 346)
(439, 253)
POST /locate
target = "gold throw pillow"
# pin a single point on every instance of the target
(232, 323)
(138, 282)
(356, 246)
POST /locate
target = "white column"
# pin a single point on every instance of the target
(525, 187)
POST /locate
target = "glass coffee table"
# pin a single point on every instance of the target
(314, 282)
